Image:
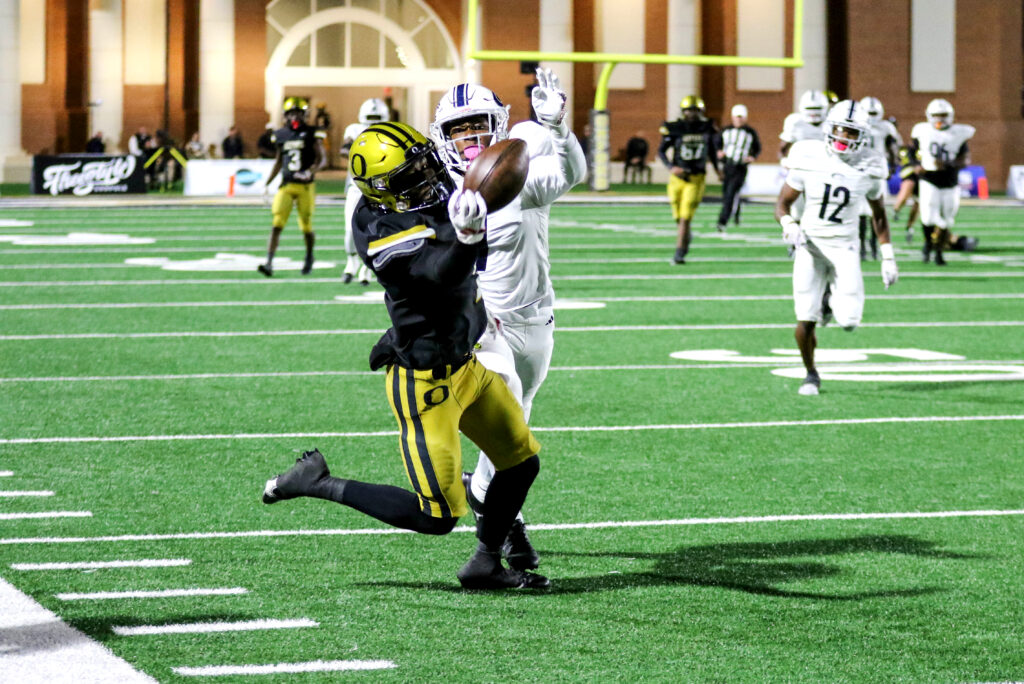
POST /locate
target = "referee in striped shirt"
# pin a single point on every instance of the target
(738, 146)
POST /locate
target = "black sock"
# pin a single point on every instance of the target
(505, 497)
(392, 505)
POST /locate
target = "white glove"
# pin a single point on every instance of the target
(468, 213)
(549, 101)
(303, 175)
(266, 194)
(890, 274)
(791, 232)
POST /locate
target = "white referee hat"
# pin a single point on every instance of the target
(739, 110)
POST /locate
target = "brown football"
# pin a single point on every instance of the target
(499, 173)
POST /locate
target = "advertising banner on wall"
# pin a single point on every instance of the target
(86, 174)
(229, 176)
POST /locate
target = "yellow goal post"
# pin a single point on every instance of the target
(600, 163)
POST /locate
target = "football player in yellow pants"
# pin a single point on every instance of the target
(687, 145)
(300, 155)
(422, 240)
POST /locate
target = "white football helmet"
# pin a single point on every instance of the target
(939, 113)
(373, 111)
(813, 105)
(466, 101)
(873, 106)
(847, 129)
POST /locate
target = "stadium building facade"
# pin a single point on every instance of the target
(73, 67)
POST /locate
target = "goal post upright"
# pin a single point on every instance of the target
(599, 116)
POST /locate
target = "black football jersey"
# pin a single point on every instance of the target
(429, 280)
(298, 151)
(687, 144)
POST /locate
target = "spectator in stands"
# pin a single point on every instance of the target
(636, 160)
(194, 148)
(265, 144)
(139, 142)
(232, 145)
(96, 144)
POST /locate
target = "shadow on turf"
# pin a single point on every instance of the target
(753, 567)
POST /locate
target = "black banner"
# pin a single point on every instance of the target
(87, 174)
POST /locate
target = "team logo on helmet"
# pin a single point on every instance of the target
(397, 168)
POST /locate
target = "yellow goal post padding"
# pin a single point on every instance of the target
(599, 175)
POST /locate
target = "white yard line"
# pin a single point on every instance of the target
(39, 647)
(196, 376)
(103, 565)
(562, 329)
(146, 249)
(211, 627)
(10, 494)
(569, 428)
(580, 277)
(284, 668)
(159, 593)
(607, 524)
(652, 298)
(781, 361)
(45, 514)
(6, 473)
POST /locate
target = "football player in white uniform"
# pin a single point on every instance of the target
(833, 175)
(886, 141)
(805, 123)
(371, 111)
(514, 277)
(942, 146)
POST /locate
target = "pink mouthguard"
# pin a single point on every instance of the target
(472, 152)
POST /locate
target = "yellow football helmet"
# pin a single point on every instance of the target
(296, 104)
(397, 168)
(692, 102)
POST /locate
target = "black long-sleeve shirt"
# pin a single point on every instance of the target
(429, 279)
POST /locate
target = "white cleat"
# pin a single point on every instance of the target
(811, 385)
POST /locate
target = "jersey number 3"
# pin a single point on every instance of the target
(294, 160)
(834, 193)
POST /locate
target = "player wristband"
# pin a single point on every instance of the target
(886, 251)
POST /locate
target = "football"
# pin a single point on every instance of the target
(499, 173)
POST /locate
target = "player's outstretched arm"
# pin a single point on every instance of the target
(880, 224)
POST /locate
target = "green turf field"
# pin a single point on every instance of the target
(699, 520)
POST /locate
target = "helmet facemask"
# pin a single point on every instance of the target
(420, 182)
(845, 139)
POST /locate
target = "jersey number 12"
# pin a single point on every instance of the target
(830, 193)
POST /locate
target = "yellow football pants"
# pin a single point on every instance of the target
(301, 194)
(685, 196)
(431, 411)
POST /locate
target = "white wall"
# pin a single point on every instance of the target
(10, 80)
(216, 69)
(145, 42)
(33, 38)
(106, 67)
(620, 29)
(933, 46)
(556, 36)
(683, 39)
(813, 74)
(760, 32)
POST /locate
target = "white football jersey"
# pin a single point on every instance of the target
(796, 128)
(882, 131)
(936, 145)
(833, 188)
(516, 275)
(352, 132)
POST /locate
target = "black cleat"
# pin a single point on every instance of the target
(265, 269)
(347, 278)
(939, 259)
(307, 267)
(298, 480)
(484, 571)
(518, 550)
(680, 256)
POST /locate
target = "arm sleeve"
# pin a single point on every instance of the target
(876, 190)
(552, 175)
(664, 147)
(795, 180)
(755, 144)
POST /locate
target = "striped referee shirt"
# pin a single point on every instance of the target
(738, 144)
